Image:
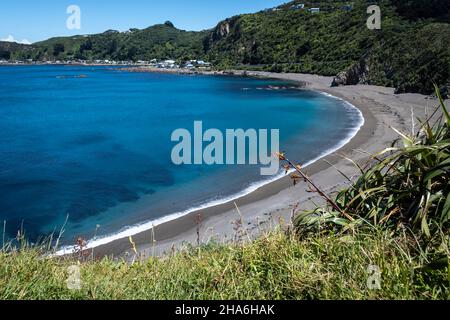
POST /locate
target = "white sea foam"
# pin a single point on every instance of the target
(136, 229)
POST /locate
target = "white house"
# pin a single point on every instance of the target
(314, 10)
(298, 6)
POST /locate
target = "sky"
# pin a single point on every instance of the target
(30, 21)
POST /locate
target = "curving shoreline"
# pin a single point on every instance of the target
(263, 208)
(133, 230)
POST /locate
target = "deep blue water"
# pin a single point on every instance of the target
(97, 147)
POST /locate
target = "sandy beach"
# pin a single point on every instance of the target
(272, 204)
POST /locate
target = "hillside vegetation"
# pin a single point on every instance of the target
(156, 42)
(9, 49)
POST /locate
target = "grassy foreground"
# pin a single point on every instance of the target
(276, 266)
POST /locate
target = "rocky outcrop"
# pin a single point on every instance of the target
(357, 74)
(225, 28)
(221, 31)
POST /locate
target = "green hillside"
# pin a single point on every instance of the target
(157, 42)
(8, 49)
(409, 52)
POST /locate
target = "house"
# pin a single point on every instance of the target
(314, 10)
(203, 64)
(298, 6)
(348, 7)
(167, 64)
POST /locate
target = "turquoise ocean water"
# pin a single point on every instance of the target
(93, 143)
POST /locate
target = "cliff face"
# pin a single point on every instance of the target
(221, 31)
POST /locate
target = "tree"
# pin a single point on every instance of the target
(6, 55)
(131, 55)
(58, 48)
(87, 45)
